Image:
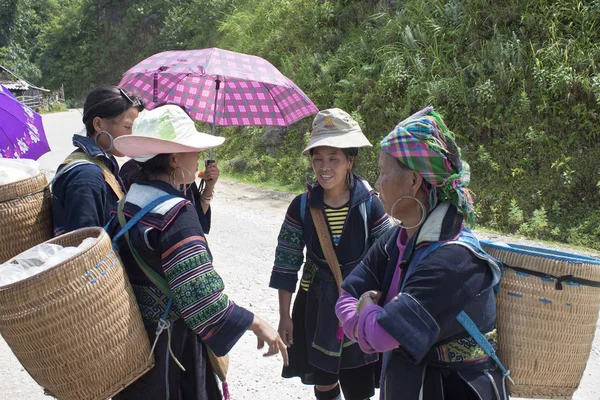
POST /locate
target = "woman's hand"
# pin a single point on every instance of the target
(286, 330)
(366, 299)
(211, 175)
(265, 333)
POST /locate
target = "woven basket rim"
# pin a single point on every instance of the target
(95, 232)
(39, 182)
(542, 252)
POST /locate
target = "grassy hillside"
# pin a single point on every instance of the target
(518, 81)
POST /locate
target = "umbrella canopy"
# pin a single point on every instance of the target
(219, 87)
(21, 130)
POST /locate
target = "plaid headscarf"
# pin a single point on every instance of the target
(422, 143)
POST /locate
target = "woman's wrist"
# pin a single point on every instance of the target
(206, 196)
(366, 297)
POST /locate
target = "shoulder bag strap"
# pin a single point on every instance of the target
(303, 199)
(318, 217)
(327, 246)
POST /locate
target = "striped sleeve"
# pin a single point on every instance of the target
(289, 254)
(198, 290)
(380, 222)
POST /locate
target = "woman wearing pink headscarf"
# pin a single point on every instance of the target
(413, 294)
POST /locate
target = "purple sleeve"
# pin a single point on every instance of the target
(372, 338)
(345, 309)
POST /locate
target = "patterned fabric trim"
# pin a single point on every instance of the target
(289, 254)
(381, 226)
(162, 215)
(466, 349)
(308, 275)
(197, 287)
(152, 303)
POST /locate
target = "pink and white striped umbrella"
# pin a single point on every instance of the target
(248, 89)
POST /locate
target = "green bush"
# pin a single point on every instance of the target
(518, 82)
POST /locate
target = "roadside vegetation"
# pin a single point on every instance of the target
(518, 81)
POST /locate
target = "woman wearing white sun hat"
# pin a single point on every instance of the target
(353, 218)
(169, 240)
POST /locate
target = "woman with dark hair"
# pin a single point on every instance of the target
(200, 195)
(336, 220)
(169, 264)
(87, 186)
(424, 294)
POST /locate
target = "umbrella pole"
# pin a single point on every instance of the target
(212, 128)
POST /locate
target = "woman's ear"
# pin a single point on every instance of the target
(416, 182)
(174, 161)
(351, 162)
(97, 123)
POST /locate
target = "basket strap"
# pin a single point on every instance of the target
(150, 273)
(153, 276)
(559, 279)
(109, 177)
(476, 334)
(464, 319)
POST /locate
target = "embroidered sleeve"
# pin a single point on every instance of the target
(380, 222)
(289, 254)
(198, 290)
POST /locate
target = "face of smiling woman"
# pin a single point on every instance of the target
(331, 167)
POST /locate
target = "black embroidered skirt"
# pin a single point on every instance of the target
(356, 383)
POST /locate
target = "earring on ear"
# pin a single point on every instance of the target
(112, 141)
(423, 213)
(350, 180)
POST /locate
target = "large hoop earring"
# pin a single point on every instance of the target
(174, 183)
(112, 141)
(423, 213)
(350, 180)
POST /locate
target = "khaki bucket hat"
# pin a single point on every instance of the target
(335, 128)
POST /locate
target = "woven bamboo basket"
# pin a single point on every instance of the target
(76, 327)
(547, 313)
(26, 215)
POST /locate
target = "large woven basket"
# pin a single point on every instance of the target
(77, 328)
(548, 308)
(25, 215)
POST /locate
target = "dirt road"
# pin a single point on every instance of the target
(246, 221)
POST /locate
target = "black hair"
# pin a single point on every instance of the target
(146, 171)
(107, 102)
(453, 155)
(348, 152)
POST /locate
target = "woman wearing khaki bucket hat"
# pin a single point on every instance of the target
(169, 264)
(336, 220)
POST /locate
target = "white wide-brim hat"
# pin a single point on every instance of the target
(164, 130)
(336, 128)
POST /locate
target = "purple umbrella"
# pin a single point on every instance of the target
(219, 87)
(21, 130)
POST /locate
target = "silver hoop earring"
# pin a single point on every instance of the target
(350, 180)
(174, 183)
(423, 213)
(112, 141)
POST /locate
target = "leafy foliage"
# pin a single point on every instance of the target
(518, 81)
